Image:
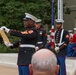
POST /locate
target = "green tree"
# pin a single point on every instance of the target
(12, 13)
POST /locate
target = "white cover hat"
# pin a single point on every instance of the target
(59, 21)
(27, 15)
(38, 21)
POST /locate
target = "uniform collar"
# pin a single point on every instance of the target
(59, 29)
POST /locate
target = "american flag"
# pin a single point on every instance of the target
(52, 22)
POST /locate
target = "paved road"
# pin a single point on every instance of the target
(8, 70)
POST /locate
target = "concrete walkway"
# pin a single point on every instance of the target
(8, 70)
(8, 64)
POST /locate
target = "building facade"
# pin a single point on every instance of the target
(70, 19)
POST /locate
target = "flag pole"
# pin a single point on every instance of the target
(60, 9)
(52, 27)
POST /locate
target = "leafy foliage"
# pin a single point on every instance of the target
(12, 13)
(4, 49)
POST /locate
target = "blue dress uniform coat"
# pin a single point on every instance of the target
(42, 38)
(65, 39)
(62, 51)
(26, 45)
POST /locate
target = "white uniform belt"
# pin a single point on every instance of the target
(59, 44)
(39, 42)
(27, 45)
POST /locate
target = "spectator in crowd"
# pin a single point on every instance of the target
(48, 44)
(71, 35)
(74, 36)
(71, 48)
(44, 62)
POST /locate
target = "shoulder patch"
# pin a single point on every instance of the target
(30, 31)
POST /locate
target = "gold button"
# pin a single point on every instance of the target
(24, 51)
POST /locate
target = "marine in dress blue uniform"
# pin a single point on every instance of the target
(26, 44)
(42, 37)
(61, 42)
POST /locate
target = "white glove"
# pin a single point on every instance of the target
(8, 45)
(1, 28)
(56, 49)
(36, 48)
(5, 28)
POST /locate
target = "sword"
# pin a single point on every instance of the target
(4, 37)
